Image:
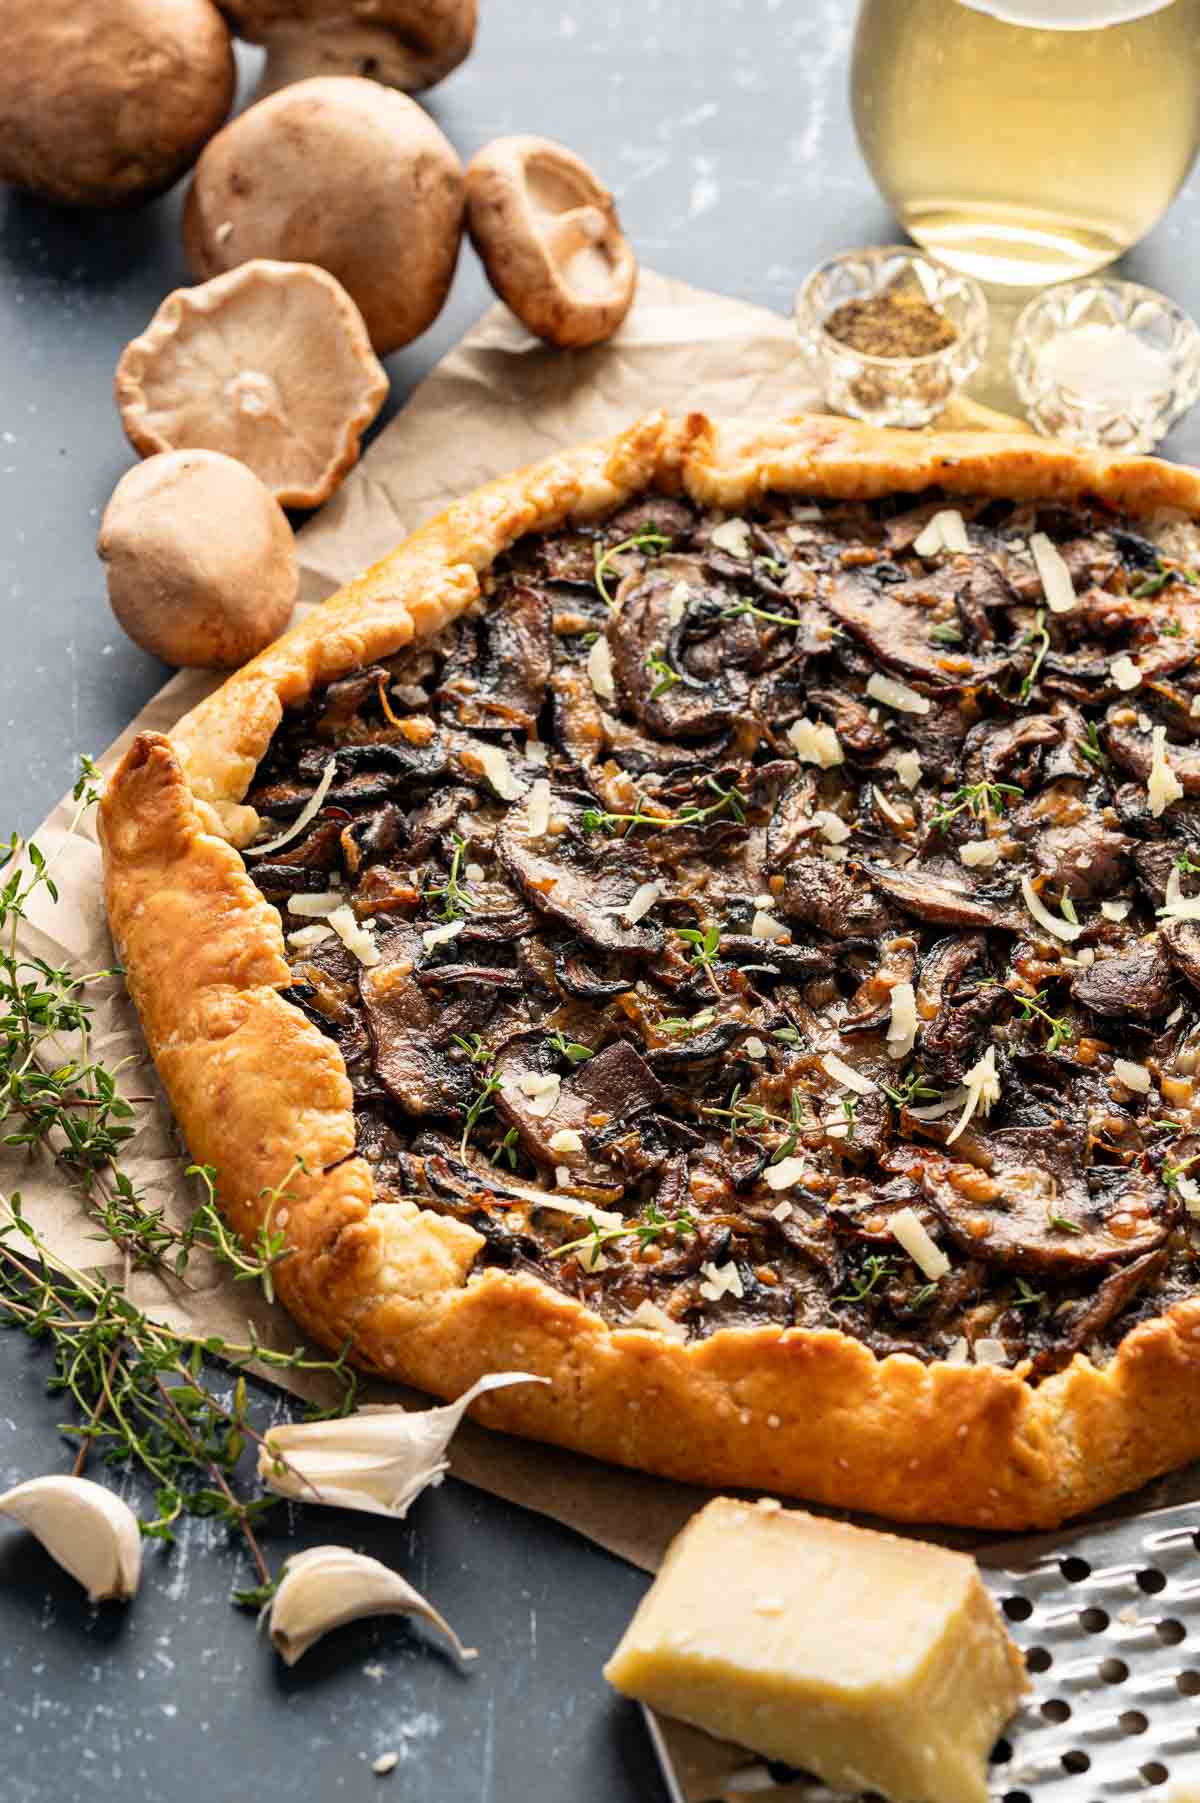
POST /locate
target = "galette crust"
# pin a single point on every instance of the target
(255, 1085)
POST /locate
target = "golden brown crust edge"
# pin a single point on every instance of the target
(254, 1085)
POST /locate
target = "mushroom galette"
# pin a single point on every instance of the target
(713, 922)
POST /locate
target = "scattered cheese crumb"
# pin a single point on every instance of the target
(537, 813)
(959, 1352)
(1133, 1076)
(677, 602)
(892, 815)
(1115, 910)
(765, 926)
(908, 769)
(496, 768)
(536, 752)
(311, 808)
(1164, 786)
(765, 900)
(435, 936)
(1189, 1194)
(474, 873)
(1125, 673)
(641, 902)
(1057, 586)
(834, 854)
(565, 1140)
(356, 939)
(599, 668)
(387, 1762)
(953, 529)
(929, 541)
(732, 536)
(815, 743)
(754, 1048)
(721, 1280)
(316, 906)
(782, 1211)
(909, 1232)
(542, 1091)
(1053, 923)
(562, 1176)
(896, 694)
(312, 935)
(979, 854)
(841, 1072)
(902, 1028)
(832, 826)
(990, 1352)
(648, 1314)
(983, 1088)
(783, 1175)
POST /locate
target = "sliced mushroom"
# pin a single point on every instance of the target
(199, 557)
(1136, 987)
(401, 1019)
(828, 897)
(407, 44)
(942, 901)
(1085, 861)
(497, 674)
(229, 367)
(577, 878)
(550, 240)
(343, 173)
(1071, 1329)
(668, 699)
(107, 105)
(896, 634)
(1182, 941)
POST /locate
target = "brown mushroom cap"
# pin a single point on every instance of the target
(108, 103)
(550, 240)
(270, 364)
(408, 44)
(200, 560)
(344, 173)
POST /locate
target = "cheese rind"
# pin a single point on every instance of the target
(887, 1667)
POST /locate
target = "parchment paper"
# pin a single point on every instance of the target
(497, 401)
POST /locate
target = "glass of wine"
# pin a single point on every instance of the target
(1027, 141)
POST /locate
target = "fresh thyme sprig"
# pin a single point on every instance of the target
(1041, 639)
(1091, 748)
(570, 1049)
(729, 801)
(648, 1228)
(751, 1117)
(455, 896)
(666, 676)
(983, 801)
(481, 1106)
(646, 539)
(740, 609)
(875, 1268)
(1031, 1006)
(912, 1087)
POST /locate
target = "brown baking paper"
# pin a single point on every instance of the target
(497, 401)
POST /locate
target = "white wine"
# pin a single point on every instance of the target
(1027, 141)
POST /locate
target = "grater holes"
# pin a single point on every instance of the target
(1076, 1761)
(1188, 1684)
(1113, 1671)
(1093, 1621)
(1017, 1608)
(1016, 1796)
(1074, 1569)
(1039, 1659)
(1001, 1753)
(1170, 1631)
(1055, 1710)
(1133, 1722)
(1151, 1581)
(1154, 1772)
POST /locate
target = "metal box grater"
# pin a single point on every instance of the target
(1109, 1622)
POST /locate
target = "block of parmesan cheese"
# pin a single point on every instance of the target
(876, 1663)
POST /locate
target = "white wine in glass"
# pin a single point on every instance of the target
(1027, 141)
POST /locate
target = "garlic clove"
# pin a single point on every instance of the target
(378, 1459)
(90, 1532)
(328, 1586)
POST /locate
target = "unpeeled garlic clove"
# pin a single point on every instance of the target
(329, 1586)
(89, 1531)
(378, 1460)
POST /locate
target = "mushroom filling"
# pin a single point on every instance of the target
(785, 919)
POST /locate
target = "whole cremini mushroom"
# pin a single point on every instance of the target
(270, 364)
(200, 560)
(408, 44)
(344, 173)
(550, 240)
(107, 103)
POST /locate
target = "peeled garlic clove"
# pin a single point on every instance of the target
(329, 1586)
(378, 1460)
(89, 1531)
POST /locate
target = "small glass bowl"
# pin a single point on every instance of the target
(891, 391)
(1105, 363)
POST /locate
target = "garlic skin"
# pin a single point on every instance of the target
(329, 1586)
(85, 1528)
(378, 1460)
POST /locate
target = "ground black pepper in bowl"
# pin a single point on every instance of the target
(893, 323)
